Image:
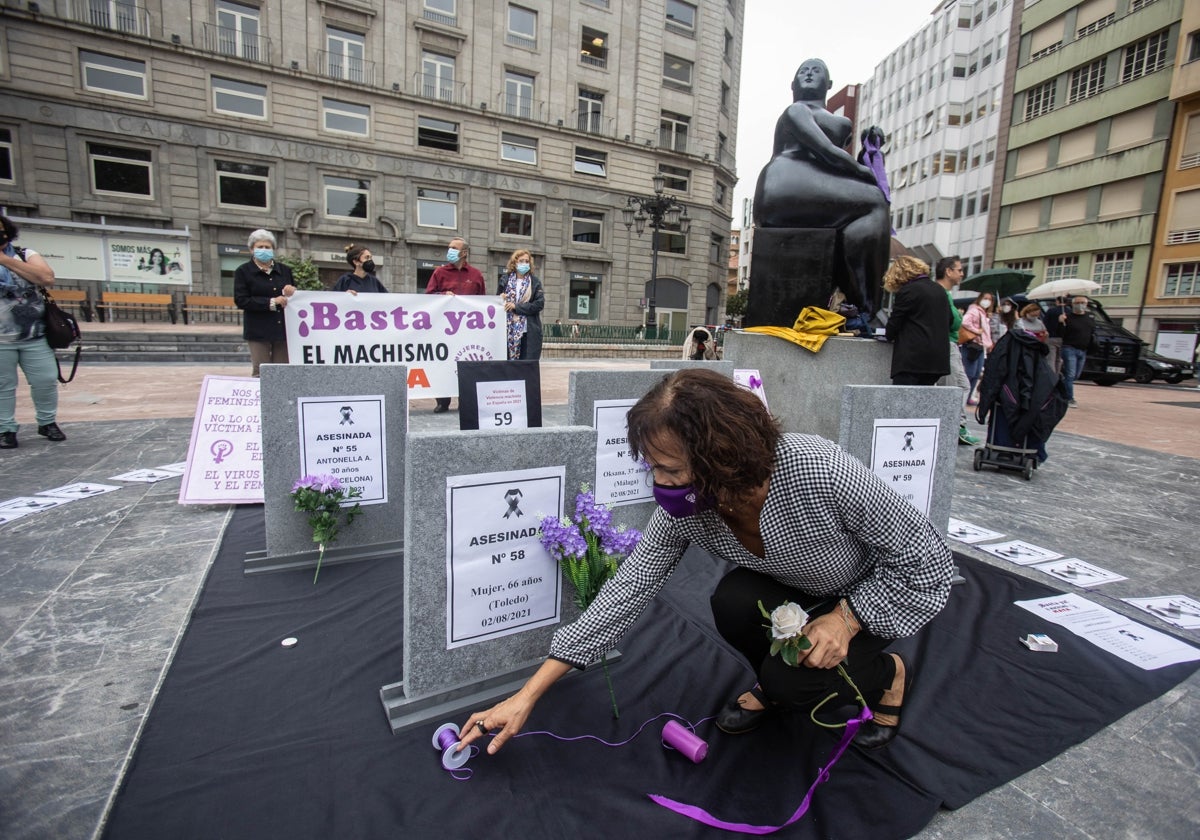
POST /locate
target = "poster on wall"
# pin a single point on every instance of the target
(345, 437)
(1175, 345)
(73, 256)
(148, 259)
(499, 578)
(903, 454)
(224, 461)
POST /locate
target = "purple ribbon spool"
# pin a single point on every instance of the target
(445, 739)
(687, 742)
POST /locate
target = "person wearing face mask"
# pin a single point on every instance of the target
(1077, 328)
(978, 322)
(261, 288)
(1003, 319)
(524, 300)
(361, 277)
(456, 277)
(801, 521)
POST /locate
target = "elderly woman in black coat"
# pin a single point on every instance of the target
(261, 288)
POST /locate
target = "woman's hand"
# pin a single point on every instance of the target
(830, 641)
(289, 290)
(509, 306)
(508, 716)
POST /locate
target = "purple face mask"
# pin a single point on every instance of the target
(680, 501)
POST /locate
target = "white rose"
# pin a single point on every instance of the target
(787, 621)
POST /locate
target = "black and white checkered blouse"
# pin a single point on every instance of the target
(830, 527)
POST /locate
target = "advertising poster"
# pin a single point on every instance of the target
(73, 256)
(345, 437)
(903, 453)
(148, 259)
(499, 578)
(224, 463)
(429, 334)
(620, 480)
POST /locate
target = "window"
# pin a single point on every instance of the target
(677, 71)
(1194, 46)
(518, 94)
(717, 252)
(121, 171)
(437, 208)
(346, 198)
(960, 67)
(346, 117)
(121, 15)
(673, 132)
(522, 27)
(237, 31)
(242, 185)
(675, 178)
(109, 74)
(593, 47)
(719, 190)
(516, 217)
(1058, 268)
(591, 162)
(1086, 81)
(964, 16)
(587, 227)
(437, 76)
(6, 157)
(1020, 265)
(584, 296)
(590, 115)
(1183, 221)
(1113, 271)
(670, 240)
(728, 51)
(345, 53)
(1146, 56)
(240, 99)
(989, 153)
(518, 148)
(437, 134)
(442, 11)
(681, 16)
(1039, 100)
(1182, 280)
(972, 63)
(1189, 155)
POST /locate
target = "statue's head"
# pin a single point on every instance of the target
(811, 81)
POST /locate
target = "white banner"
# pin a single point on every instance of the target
(224, 463)
(499, 578)
(904, 453)
(428, 333)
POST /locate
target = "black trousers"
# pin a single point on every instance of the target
(738, 620)
(915, 378)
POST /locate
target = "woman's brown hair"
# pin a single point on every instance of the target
(727, 435)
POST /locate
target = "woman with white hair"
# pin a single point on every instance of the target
(261, 288)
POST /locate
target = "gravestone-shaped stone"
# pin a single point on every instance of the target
(453, 657)
(804, 389)
(792, 268)
(875, 430)
(354, 427)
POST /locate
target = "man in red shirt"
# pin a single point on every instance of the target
(456, 277)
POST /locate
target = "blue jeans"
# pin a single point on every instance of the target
(1072, 359)
(37, 362)
(971, 367)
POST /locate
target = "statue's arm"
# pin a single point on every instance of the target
(803, 127)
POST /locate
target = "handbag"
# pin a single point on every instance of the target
(62, 330)
(971, 352)
(965, 336)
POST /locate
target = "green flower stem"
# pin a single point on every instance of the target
(320, 557)
(612, 695)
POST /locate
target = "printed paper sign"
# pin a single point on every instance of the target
(25, 505)
(148, 477)
(345, 437)
(1179, 610)
(502, 405)
(1073, 570)
(224, 463)
(1020, 552)
(903, 454)
(427, 333)
(500, 580)
(619, 479)
(965, 532)
(752, 382)
(79, 490)
(1136, 643)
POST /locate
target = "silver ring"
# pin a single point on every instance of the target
(483, 729)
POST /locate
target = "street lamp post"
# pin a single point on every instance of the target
(658, 209)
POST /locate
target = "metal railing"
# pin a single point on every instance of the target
(117, 15)
(226, 40)
(592, 122)
(587, 333)
(336, 65)
(515, 40)
(438, 17)
(429, 86)
(519, 106)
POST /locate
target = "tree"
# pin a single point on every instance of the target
(735, 305)
(304, 274)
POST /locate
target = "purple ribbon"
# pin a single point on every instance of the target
(874, 160)
(702, 816)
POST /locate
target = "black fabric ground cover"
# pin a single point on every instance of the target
(248, 739)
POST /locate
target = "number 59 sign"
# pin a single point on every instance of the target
(499, 395)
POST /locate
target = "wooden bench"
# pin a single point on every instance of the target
(112, 303)
(209, 305)
(76, 298)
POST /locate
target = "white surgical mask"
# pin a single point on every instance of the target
(1006, 308)
(452, 255)
(1080, 308)
(522, 268)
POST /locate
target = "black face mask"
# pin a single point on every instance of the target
(369, 266)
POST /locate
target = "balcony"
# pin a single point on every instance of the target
(439, 17)
(520, 106)
(429, 86)
(336, 65)
(224, 40)
(592, 123)
(114, 15)
(515, 40)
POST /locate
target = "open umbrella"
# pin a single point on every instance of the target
(1063, 288)
(1001, 282)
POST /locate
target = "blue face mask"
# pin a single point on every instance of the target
(522, 268)
(264, 254)
(452, 255)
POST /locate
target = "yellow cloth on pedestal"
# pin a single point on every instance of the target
(812, 327)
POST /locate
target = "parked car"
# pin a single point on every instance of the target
(1113, 356)
(1153, 366)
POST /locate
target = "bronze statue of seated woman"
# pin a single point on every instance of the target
(813, 182)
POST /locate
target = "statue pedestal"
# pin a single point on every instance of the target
(792, 268)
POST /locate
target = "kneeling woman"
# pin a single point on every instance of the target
(802, 521)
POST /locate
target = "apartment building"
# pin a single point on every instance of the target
(938, 97)
(1091, 128)
(1170, 316)
(179, 126)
